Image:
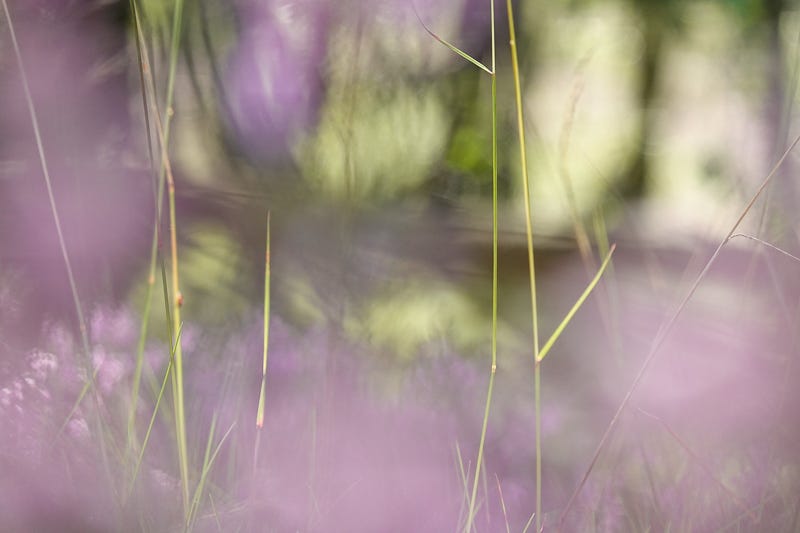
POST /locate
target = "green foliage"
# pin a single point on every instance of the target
(212, 273)
(386, 146)
(468, 152)
(417, 314)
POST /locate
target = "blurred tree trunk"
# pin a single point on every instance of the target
(653, 19)
(778, 114)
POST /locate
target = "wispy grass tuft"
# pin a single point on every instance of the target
(208, 462)
(463, 478)
(167, 374)
(733, 496)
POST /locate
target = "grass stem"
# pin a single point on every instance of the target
(166, 176)
(531, 264)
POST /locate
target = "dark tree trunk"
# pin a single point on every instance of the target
(635, 179)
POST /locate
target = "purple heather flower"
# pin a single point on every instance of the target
(113, 327)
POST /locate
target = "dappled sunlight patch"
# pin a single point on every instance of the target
(380, 147)
(410, 316)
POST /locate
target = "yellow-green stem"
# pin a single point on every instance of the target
(165, 174)
(137, 373)
(177, 299)
(531, 264)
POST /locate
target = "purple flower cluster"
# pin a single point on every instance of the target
(351, 440)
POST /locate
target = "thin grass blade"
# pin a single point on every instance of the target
(267, 274)
(502, 504)
(207, 465)
(155, 413)
(560, 329)
(451, 46)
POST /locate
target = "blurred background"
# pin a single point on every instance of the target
(650, 124)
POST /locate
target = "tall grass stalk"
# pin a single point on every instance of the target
(538, 355)
(165, 175)
(143, 65)
(177, 383)
(537, 378)
(176, 304)
(664, 331)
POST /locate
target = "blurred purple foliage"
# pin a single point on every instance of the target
(275, 74)
(77, 65)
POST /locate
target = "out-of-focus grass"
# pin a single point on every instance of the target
(328, 449)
